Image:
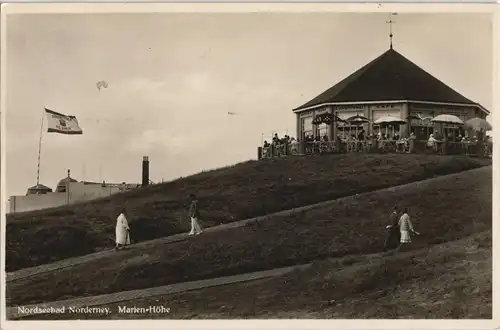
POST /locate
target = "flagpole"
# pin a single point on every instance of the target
(83, 172)
(39, 149)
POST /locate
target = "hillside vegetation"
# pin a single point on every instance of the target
(442, 209)
(229, 194)
(449, 281)
(452, 280)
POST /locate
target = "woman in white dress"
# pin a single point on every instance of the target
(405, 226)
(122, 231)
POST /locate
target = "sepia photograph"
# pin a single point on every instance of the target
(248, 165)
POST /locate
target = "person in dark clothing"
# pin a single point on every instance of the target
(394, 234)
(361, 135)
(276, 139)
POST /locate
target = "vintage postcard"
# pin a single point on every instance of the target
(240, 162)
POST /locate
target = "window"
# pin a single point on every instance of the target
(422, 132)
(345, 130)
(307, 127)
(453, 132)
(388, 130)
(423, 127)
(322, 130)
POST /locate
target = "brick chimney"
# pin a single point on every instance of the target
(145, 171)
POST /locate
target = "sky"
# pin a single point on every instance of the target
(173, 77)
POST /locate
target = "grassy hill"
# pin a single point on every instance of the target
(458, 285)
(229, 194)
(452, 280)
(443, 209)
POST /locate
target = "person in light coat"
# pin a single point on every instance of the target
(194, 214)
(433, 142)
(405, 226)
(122, 231)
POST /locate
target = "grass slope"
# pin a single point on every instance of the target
(449, 280)
(234, 193)
(443, 209)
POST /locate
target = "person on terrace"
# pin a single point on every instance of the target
(432, 142)
(276, 139)
(361, 135)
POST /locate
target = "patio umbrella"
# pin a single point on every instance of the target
(318, 120)
(331, 118)
(447, 119)
(326, 118)
(390, 121)
(357, 120)
(478, 124)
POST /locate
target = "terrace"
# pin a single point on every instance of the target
(467, 138)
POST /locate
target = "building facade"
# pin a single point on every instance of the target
(390, 85)
(74, 192)
(70, 191)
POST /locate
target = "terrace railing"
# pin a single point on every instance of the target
(375, 146)
(279, 150)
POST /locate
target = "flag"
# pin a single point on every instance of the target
(60, 123)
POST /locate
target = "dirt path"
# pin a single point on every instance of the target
(93, 301)
(28, 272)
(106, 301)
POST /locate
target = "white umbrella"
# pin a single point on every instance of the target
(478, 124)
(389, 120)
(447, 119)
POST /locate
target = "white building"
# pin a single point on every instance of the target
(68, 191)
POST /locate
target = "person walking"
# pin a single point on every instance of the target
(394, 234)
(194, 214)
(405, 226)
(122, 231)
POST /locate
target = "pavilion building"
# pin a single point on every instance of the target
(390, 85)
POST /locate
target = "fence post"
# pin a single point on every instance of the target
(338, 144)
(480, 149)
(411, 146)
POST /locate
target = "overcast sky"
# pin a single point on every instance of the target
(173, 78)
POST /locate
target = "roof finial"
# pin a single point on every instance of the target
(68, 172)
(390, 22)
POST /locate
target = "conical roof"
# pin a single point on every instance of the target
(390, 77)
(61, 186)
